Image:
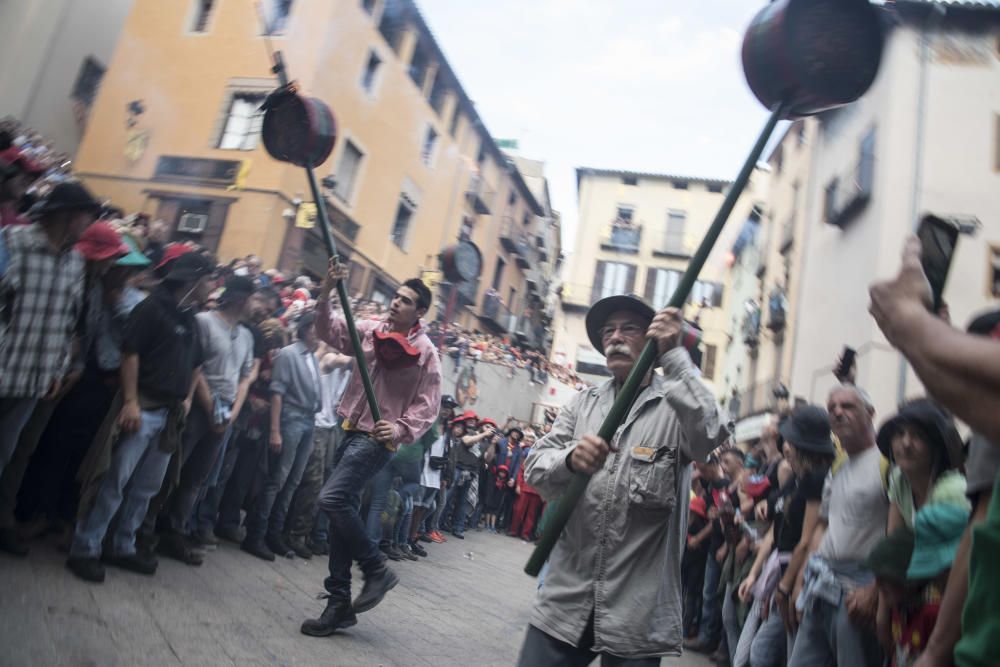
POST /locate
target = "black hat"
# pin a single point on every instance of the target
(188, 267)
(65, 196)
(808, 428)
(448, 401)
(603, 309)
(932, 421)
(515, 428)
(238, 288)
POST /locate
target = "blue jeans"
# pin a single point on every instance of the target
(710, 631)
(206, 512)
(137, 463)
(284, 472)
(827, 636)
(410, 493)
(361, 457)
(381, 483)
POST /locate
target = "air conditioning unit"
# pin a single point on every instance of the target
(193, 223)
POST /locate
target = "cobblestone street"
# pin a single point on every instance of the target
(467, 605)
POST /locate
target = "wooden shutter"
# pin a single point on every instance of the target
(649, 292)
(595, 291)
(630, 280)
(168, 211)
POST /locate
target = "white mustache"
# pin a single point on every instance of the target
(618, 349)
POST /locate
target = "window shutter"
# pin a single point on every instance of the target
(595, 292)
(650, 289)
(630, 280)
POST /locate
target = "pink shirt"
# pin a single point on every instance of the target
(409, 398)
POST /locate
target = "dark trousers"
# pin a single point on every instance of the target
(542, 650)
(13, 473)
(340, 498)
(50, 488)
(245, 479)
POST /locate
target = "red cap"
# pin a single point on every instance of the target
(698, 507)
(100, 241)
(172, 252)
(488, 421)
(468, 415)
(301, 295)
(14, 156)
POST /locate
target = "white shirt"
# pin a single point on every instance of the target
(432, 478)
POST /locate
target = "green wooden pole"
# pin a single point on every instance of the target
(331, 250)
(629, 391)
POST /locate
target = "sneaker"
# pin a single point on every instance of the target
(425, 537)
(393, 553)
(88, 569)
(318, 548)
(298, 545)
(140, 564)
(437, 537)
(375, 588)
(279, 546)
(257, 548)
(418, 549)
(231, 533)
(336, 616)
(10, 542)
(176, 546)
(407, 552)
(205, 538)
(459, 535)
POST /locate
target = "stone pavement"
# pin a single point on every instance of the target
(467, 604)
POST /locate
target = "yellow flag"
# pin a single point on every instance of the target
(241, 176)
(306, 215)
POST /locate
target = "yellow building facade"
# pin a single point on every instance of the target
(175, 132)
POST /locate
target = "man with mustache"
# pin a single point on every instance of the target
(614, 584)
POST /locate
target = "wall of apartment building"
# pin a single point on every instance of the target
(958, 174)
(187, 80)
(49, 49)
(600, 196)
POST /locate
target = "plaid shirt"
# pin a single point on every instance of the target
(41, 294)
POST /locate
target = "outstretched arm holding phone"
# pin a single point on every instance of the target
(959, 370)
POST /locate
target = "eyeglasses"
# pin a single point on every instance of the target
(628, 330)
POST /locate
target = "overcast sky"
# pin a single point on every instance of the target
(644, 85)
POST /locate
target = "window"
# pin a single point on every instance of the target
(371, 71)
(708, 365)
(382, 292)
(276, 15)
(866, 162)
(418, 66)
(498, 273)
(680, 185)
(87, 81)
(612, 278)
(455, 117)
(625, 214)
(481, 155)
(430, 140)
(715, 187)
(526, 220)
(202, 14)
(368, 6)
(242, 130)
(630, 180)
(511, 198)
(401, 226)
(439, 92)
(512, 299)
(674, 239)
(995, 271)
(347, 171)
(662, 283)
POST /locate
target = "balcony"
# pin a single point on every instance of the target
(751, 325)
(847, 195)
(777, 305)
(479, 194)
(516, 241)
(787, 235)
(541, 248)
(495, 314)
(762, 397)
(623, 236)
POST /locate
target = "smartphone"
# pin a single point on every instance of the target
(846, 359)
(938, 239)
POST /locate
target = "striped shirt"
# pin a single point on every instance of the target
(41, 294)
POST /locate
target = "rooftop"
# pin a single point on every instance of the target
(595, 171)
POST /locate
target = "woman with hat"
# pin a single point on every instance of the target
(926, 452)
(783, 552)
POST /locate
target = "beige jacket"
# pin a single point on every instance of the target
(620, 554)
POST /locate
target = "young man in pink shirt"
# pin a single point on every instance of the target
(406, 375)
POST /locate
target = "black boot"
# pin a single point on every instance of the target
(300, 548)
(375, 588)
(257, 548)
(138, 563)
(11, 542)
(337, 616)
(279, 546)
(88, 569)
